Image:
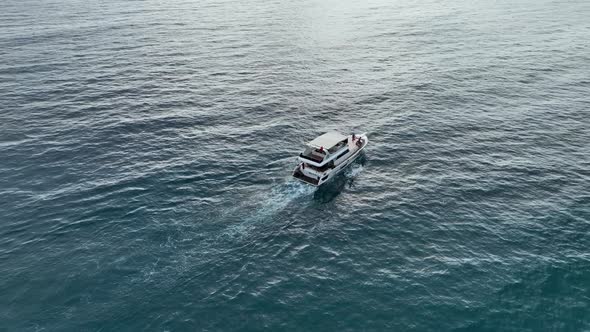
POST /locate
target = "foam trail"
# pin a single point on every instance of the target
(354, 170)
(278, 198)
(268, 204)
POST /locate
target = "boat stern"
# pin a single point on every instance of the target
(299, 175)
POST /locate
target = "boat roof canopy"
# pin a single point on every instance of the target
(327, 140)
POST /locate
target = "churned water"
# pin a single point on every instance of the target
(146, 150)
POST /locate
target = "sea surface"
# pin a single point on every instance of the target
(146, 150)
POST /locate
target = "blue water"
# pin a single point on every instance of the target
(146, 150)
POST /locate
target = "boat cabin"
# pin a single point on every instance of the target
(325, 148)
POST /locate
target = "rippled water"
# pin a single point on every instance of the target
(146, 150)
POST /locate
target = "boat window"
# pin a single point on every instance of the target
(323, 168)
(342, 153)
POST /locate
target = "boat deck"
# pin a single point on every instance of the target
(305, 178)
(312, 157)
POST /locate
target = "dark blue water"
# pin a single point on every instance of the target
(146, 150)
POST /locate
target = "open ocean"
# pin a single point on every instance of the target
(146, 149)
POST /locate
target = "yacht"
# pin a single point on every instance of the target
(327, 155)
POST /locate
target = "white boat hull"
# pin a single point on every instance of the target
(321, 178)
